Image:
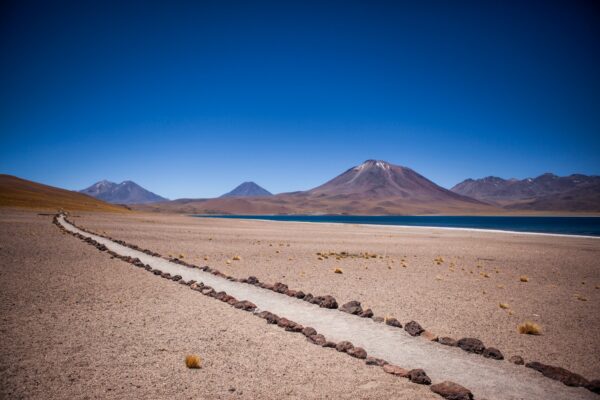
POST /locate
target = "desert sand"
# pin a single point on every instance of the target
(79, 324)
(458, 295)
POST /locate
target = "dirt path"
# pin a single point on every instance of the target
(484, 377)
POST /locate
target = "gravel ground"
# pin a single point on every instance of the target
(458, 295)
(77, 324)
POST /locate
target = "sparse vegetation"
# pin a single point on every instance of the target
(237, 258)
(338, 271)
(504, 306)
(193, 361)
(524, 278)
(529, 328)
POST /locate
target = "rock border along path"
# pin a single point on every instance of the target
(486, 378)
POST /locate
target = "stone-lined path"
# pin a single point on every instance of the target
(486, 378)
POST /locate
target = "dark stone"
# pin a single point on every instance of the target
(594, 386)
(291, 293)
(558, 374)
(328, 302)
(344, 346)
(166, 275)
(308, 331)
(300, 294)
(447, 341)
(368, 313)
(280, 287)
(493, 353)
(207, 291)
(517, 360)
(352, 307)
(245, 305)
(330, 344)
(156, 272)
(452, 391)
(308, 298)
(270, 317)
(357, 352)
(393, 322)
(378, 319)
(317, 339)
(471, 345)
(419, 376)
(252, 280)
(375, 361)
(413, 328)
(284, 322)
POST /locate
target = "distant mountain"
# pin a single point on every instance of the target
(371, 188)
(21, 193)
(248, 189)
(546, 192)
(126, 192)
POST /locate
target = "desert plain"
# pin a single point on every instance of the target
(78, 324)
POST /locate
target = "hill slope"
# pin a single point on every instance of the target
(248, 189)
(546, 192)
(21, 193)
(126, 192)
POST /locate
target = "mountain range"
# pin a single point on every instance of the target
(126, 192)
(546, 192)
(248, 189)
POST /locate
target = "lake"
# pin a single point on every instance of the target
(589, 226)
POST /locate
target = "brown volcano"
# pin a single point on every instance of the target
(371, 188)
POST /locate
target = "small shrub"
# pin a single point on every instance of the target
(338, 271)
(237, 258)
(504, 306)
(193, 361)
(524, 278)
(529, 328)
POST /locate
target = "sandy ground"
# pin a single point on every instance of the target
(77, 324)
(457, 296)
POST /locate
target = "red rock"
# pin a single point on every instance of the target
(317, 339)
(393, 322)
(559, 374)
(471, 345)
(352, 307)
(413, 328)
(357, 352)
(300, 294)
(328, 302)
(517, 360)
(344, 346)
(395, 370)
(368, 313)
(419, 376)
(308, 331)
(452, 391)
(493, 353)
(447, 341)
(280, 287)
(330, 344)
(245, 305)
(375, 361)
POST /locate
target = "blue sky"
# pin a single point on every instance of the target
(189, 99)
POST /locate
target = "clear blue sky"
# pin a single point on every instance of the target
(191, 98)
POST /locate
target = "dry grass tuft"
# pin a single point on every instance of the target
(237, 258)
(524, 278)
(529, 328)
(504, 306)
(338, 271)
(193, 361)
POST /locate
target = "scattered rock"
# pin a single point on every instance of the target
(471, 345)
(447, 341)
(330, 344)
(393, 322)
(300, 294)
(317, 339)
(357, 352)
(308, 331)
(375, 361)
(594, 386)
(559, 374)
(413, 328)
(378, 319)
(176, 278)
(245, 305)
(352, 307)
(344, 346)
(493, 353)
(419, 376)
(327, 302)
(309, 297)
(270, 317)
(452, 391)
(280, 287)
(207, 291)
(395, 370)
(517, 360)
(252, 280)
(368, 313)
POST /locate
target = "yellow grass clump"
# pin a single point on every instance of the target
(529, 328)
(193, 361)
(237, 258)
(524, 278)
(504, 306)
(338, 271)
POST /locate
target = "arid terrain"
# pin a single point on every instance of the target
(452, 282)
(77, 324)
